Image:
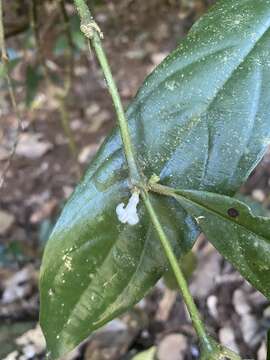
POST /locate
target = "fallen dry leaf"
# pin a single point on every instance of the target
(32, 146)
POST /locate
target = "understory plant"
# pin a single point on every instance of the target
(196, 129)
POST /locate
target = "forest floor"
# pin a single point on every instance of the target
(43, 174)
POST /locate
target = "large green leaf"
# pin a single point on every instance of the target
(240, 236)
(200, 121)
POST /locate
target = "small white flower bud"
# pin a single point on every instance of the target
(128, 214)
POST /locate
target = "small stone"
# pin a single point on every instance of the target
(262, 352)
(175, 344)
(240, 304)
(258, 195)
(212, 302)
(227, 338)
(250, 330)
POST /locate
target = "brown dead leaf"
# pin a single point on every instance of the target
(32, 146)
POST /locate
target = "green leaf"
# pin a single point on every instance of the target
(94, 267)
(241, 237)
(200, 121)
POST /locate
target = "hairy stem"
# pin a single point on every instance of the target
(92, 32)
(181, 281)
(5, 61)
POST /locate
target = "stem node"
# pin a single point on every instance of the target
(90, 29)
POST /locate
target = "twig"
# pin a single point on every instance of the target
(181, 281)
(92, 32)
(5, 63)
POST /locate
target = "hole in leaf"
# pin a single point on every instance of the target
(232, 212)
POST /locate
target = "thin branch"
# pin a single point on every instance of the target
(181, 281)
(5, 63)
(92, 32)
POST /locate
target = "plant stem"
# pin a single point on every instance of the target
(181, 281)
(91, 30)
(5, 61)
(162, 190)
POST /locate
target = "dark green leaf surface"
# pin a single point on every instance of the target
(200, 121)
(95, 267)
(241, 237)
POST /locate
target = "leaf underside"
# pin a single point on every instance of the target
(200, 121)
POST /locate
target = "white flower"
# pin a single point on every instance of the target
(128, 214)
